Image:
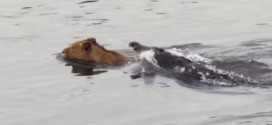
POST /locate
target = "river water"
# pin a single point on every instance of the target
(36, 88)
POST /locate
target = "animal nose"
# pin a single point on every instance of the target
(64, 51)
(133, 44)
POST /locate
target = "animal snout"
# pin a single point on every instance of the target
(64, 51)
(138, 47)
(134, 44)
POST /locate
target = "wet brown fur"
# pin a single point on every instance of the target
(90, 50)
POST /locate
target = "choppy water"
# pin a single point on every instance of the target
(38, 88)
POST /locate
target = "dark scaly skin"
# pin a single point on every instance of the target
(190, 72)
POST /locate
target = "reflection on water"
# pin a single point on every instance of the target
(37, 89)
(85, 71)
(82, 68)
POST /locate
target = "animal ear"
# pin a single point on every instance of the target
(87, 46)
(92, 40)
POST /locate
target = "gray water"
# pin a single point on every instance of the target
(36, 88)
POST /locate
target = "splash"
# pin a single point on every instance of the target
(198, 69)
(149, 57)
(187, 54)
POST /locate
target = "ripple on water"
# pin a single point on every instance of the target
(258, 118)
(88, 1)
(24, 8)
(257, 42)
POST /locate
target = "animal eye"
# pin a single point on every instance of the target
(87, 47)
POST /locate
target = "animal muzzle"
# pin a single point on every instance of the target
(65, 52)
(138, 47)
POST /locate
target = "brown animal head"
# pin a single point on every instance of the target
(90, 50)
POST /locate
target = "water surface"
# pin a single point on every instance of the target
(36, 88)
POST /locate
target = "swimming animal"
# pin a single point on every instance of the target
(89, 50)
(186, 70)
